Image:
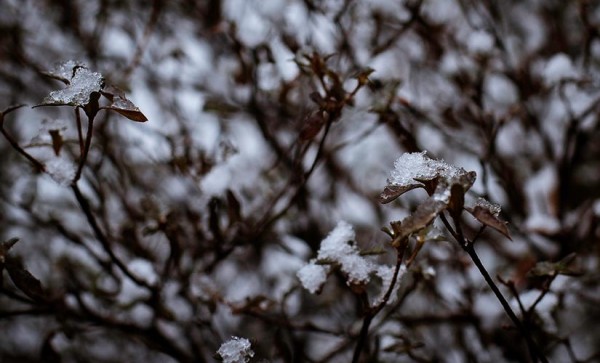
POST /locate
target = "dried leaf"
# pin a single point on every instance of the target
(546, 268)
(486, 217)
(457, 200)
(24, 280)
(233, 207)
(391, 192)
(363, 75)
(421, 218)
(5, 246)
(312, 125)
(57, 141)
(81, 85)
(120, 104)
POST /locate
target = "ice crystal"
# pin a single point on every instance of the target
(236, 350)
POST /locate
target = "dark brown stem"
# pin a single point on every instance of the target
(86, 148)
(534, 351)
(373, 311)
(38, 165)
(87, 210)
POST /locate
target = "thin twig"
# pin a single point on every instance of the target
(87, 210)
(14, 143)
(373, 311)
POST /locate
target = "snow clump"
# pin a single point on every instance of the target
(411, 166)
(236, 350)
(81, 83)
(339, 249)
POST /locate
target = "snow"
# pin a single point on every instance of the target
(65, 70)
(558, 68)
(236, 350)
(313, 276)
(61, 170)
(338, 247)
(494, 208)
(82, 83)
(411, 166)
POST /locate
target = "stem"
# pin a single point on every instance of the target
(534, 350)
(372, 312)
(87, 210)
(86, 148)
(14, 143)
(469, 247)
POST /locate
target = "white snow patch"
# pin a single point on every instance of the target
(411, 166)
(313, 276)
(82, 83)
(236, 350)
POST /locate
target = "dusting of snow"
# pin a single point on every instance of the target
(494, 208)
(411, 166)
(82, 83)
(65, 70)
(61, 170)
(558, 68)
(313, 276)
(236, 350)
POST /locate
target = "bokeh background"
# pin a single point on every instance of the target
(271, 121)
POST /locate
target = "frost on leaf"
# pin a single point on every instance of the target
(236, 350)
(80, 81)
(488, 214)
(417, 170)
